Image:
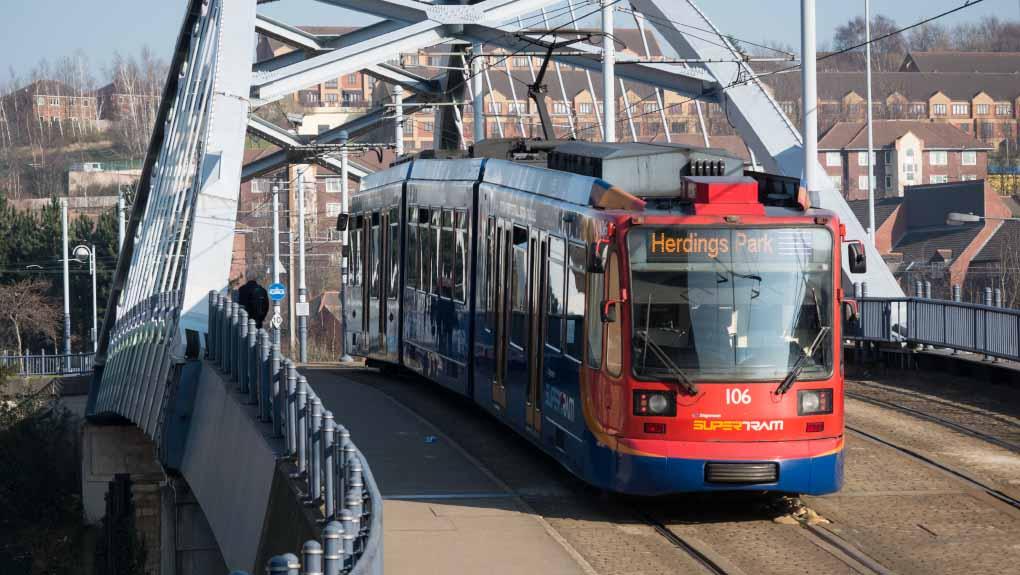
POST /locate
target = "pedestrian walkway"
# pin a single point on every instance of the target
(442, 512)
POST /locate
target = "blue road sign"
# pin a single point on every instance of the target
(277, 292)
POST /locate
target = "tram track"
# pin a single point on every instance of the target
(701, 557)
(990, 490)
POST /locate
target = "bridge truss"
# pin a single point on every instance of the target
(180, 235)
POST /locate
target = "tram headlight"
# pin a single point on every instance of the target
(814, 401)
(654, 403)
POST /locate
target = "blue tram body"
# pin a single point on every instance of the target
(474, 273)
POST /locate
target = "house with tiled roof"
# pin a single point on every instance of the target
(962, 62)
(907, 153)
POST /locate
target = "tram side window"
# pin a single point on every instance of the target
(446, 256)
(575, 302)
(519, 288)
(413, 256)
(490, 264)
(614, 336)
(354, 258)
(435, 253)
(595, 291)
(459, 260)
(394, 252)
(375, 255)
(555, 304)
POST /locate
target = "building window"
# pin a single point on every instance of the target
(520, 61)
(833, 159)
(352, 78)
(408, 127)
(961, 109)
(888, 157)
(426, 127)
(333, 98)
(411, 59)
(938, 157)
(333, 185)
(678, 127)
(560, 108)
(919, 109)
(332, 210)
(331, 84)
(862, 182)
(968, 177)
(939, 179)
(1003, 109)
(981, 109)
(788, 108)
(837, 181)
(888, 182)
(585, 108)
(40, 100)
(939, 109)
(968, 158)
(862, 159)
(495, 107)
(650, 108)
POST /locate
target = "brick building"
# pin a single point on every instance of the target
(979, 93)
(52, 103)
(907, 153)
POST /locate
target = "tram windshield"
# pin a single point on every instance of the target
(730, 304)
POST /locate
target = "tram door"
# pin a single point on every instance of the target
(383, 257)
(500, 278)
(389, 320)
(539, 250)
(375, 256)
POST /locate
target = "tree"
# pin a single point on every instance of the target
(887, 53)
(25, 308)
(929, 37)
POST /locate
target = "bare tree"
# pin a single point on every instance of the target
(26, 310)
(929, 37)
(887, 53)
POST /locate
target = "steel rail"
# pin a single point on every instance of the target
(997, 494)
(701, 557)
(938, 420)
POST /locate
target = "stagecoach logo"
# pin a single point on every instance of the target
(723, 425)
(560, 402)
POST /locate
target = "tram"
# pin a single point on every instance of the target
(649, 315)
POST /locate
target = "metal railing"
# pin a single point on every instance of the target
(971, 327)
(335, 474)
(28, 365)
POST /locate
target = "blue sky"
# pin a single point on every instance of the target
(36, 29)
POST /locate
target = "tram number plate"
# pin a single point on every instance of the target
(738, 396)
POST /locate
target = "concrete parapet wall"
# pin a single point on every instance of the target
(229, 463)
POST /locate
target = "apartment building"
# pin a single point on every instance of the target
(51, 102)
(906, 153)
(978, 93)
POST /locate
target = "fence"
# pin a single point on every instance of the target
(335, 474)
(28, 365)
(982, 328)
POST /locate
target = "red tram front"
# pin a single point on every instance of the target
(722, 365)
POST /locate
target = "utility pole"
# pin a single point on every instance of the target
(302, 306)
(292, 273)
(476, 91)
(398, 117)
(344, 257)
(810, 93)
(67, 287)
(871, 142)
(608, 72)
(277, 319)
(120, 217)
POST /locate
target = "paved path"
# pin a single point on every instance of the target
(448, 515)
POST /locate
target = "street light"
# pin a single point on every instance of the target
(958, 219)
(81, 251)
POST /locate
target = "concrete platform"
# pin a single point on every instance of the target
(443, 512)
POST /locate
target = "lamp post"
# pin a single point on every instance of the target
(81, 251)
(958, 219)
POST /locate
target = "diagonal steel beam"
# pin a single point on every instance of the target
(351, 38)
(272, 133)
(401, 77)
(686, 81)
(290, 35)
(401, 10)
(355, 128)
(757, 117)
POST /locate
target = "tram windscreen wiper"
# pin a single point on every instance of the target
(798, 366)
(685, 382)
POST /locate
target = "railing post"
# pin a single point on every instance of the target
(311, 555)
(918, 288)
(957, 297)
(347, 521)
(333, 558)
(278, 388)
(301, 414)
(347, 454)
(221, 335)
(291, 408)
(265, 375)
(328, 463)
(277, 565)
(211, 327)
(988, 303)
(248, 356)
(241, 375)
(998, 303)
(293, 564)
(927, 289)
(315, 452)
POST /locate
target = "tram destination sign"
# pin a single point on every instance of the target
(687, 244)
